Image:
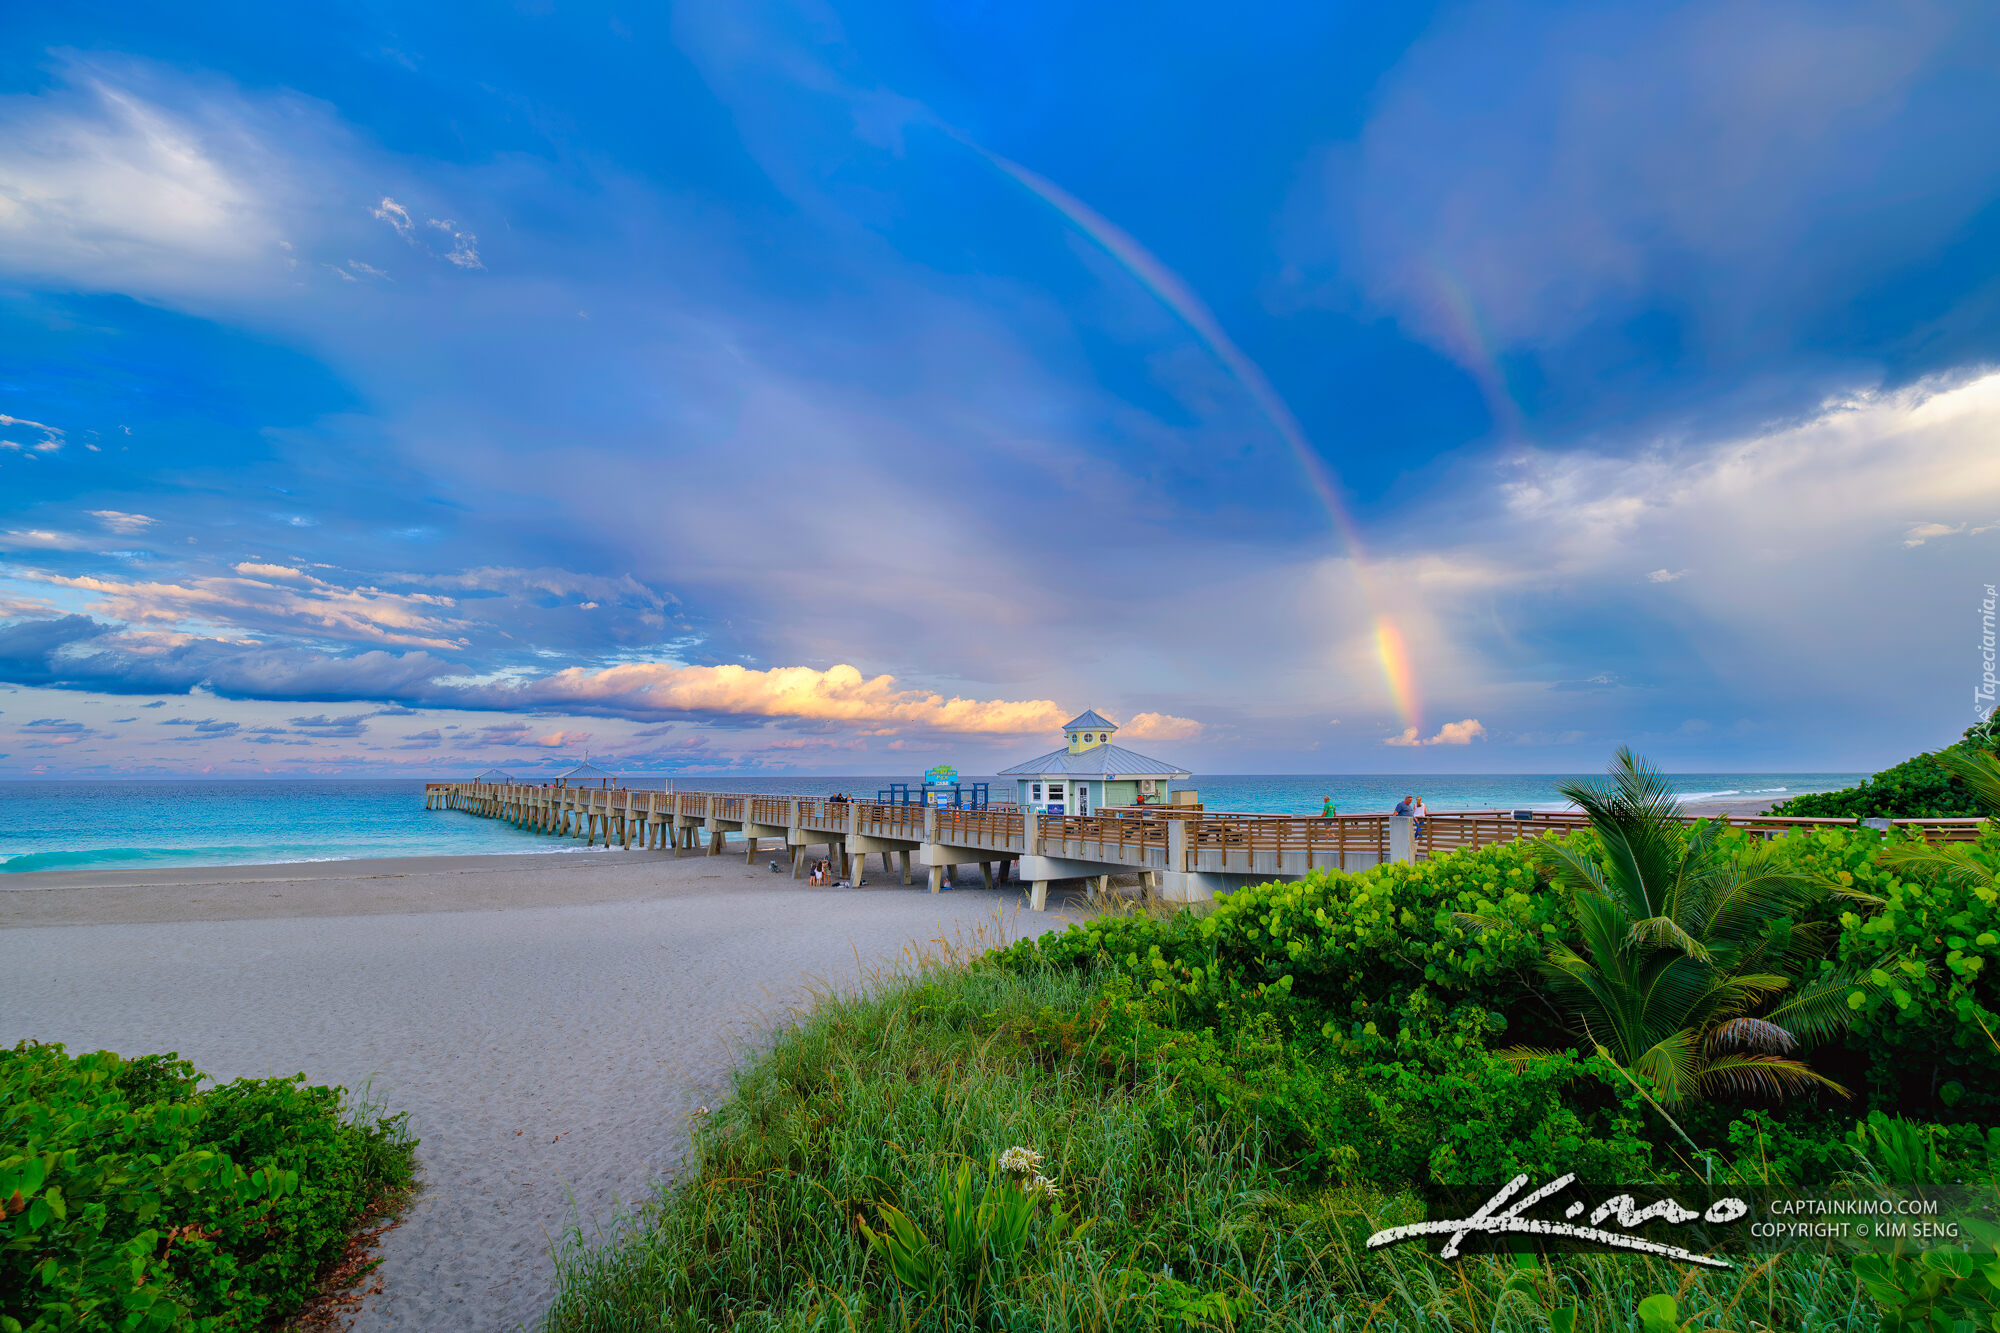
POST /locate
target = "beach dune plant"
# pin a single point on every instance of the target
(982, 1231)
(1687, 960)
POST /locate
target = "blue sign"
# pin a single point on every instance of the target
(941, 776)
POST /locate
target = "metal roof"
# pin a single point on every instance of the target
(587, 771)
(1090, 718)
(1099, 761)
(494, 775)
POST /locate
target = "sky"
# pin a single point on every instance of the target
(854, 387)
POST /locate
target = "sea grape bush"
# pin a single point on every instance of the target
(1926, 1034)
(1316, 945)
(1342, 1002)
(134, 1199)
(1933, 1020)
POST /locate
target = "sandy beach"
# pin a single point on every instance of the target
(1754, 805)
(549, 1021)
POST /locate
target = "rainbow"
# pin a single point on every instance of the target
(1171, 291)
(1465, 336)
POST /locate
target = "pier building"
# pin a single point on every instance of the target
(587, 774)
(1090, 773)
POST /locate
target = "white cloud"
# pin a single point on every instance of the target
(397, 217)
(100, 185)
(6, 420)
(1924, 532)
(119, 521)
(464, 245)
(366, 614)
(44, 539)
(1665, 575)
(1775, 515)
(51, 441)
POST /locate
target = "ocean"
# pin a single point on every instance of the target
(75, 825)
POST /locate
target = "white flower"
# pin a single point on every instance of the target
(1043, 1185)
(1021, 1161)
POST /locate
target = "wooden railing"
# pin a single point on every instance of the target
(880, 820)
(994, 827)
(1110, 837)
(1320, 841)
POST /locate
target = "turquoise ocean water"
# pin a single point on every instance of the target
(74, 825)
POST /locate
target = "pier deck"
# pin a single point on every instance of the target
(1185, 854)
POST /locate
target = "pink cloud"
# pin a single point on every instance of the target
(1160, 727)
(1463, 732)
(838, 694)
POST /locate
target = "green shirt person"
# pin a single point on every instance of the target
(1326, 810)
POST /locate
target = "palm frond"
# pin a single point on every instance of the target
(1762, 1075)
(1953, 863)
(1663, 932)
(1570, 870)
(1818, 1010)
(1672, 1065)
(1978, 770)
(1520, 1056)
(1752, 1034)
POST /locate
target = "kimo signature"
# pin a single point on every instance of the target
(1623, 1207)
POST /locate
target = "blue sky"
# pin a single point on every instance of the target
(851, 388)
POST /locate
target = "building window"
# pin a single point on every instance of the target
(1036, 792)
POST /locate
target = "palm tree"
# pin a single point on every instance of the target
(1685, 964)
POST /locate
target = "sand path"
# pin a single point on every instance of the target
(548, 1021)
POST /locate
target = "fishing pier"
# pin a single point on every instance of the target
(1185, 854)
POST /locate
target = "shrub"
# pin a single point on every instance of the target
(1309, 948)
(134, 1199)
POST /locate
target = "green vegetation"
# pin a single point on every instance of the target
(1227, 1102)
(1925, 787)
(135, 1199)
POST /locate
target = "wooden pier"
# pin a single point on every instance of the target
(1186, 854)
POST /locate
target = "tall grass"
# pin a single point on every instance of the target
(868, 1096)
